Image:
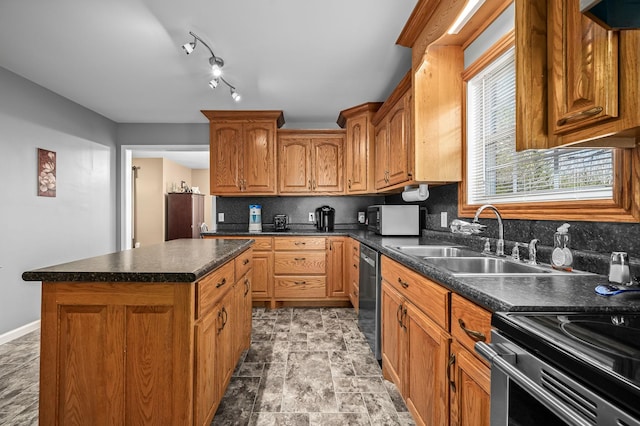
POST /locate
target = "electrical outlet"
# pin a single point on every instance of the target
(220, 217)
(443, 219)
(312, 217)
(360, 217)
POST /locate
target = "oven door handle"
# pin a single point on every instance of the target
(545, 397)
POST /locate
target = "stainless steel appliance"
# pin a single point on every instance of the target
(325, 218)
(280, 222)
(564, 369)
(369, 308)
(390, 219)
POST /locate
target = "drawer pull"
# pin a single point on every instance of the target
(299, 282)
(355, 266)
(399, 315)
(451, 363)
(299, 258)
(298, 243)
(475, 335)
(402, 283)
(247, 286)
(224, 316)
(580, 115)
(221, 283)
(244, 262)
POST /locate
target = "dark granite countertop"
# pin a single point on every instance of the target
(565, 293)
(184, 260)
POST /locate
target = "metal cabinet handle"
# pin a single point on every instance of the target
(580, 115)
(309, 183)
(222, 314)
(244, 262)
(355, 266)
(451, 363)
(221, 283)
(475, 335)
(404, 318)
(399, 315)
(402, 283)
(299, 258)
(299, 282)
(247, 286)
(298, 243)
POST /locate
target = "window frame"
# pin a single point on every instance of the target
(623, 207)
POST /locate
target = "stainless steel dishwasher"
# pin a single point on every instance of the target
(370, 298)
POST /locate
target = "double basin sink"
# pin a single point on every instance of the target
(461, 261)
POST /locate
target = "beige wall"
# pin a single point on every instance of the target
(156, 178)
(200, 178)
(149, 201)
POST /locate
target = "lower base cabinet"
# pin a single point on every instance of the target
(470, 388)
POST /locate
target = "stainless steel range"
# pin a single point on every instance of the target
(564, 369)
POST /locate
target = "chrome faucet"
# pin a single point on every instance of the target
(500, 245)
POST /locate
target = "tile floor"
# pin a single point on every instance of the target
(304, 367)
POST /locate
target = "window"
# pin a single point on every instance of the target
(496, 173)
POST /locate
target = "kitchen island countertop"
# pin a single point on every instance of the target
(184, 260)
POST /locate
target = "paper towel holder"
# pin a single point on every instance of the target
(420, 193)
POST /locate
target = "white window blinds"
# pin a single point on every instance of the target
(497, 173)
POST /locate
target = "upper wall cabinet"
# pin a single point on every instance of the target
(243, 152)
(310, 162)
(359, 149)
(577, 82)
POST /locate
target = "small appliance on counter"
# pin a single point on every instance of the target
(325, 218)
(255, 218)
(394, 219)
(280, 222)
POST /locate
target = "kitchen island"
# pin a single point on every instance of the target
(143, 336)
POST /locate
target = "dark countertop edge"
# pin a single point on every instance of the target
(462, 286)
(137, 277)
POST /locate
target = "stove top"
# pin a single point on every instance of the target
(600, 350)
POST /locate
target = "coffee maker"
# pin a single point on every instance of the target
(325, 217)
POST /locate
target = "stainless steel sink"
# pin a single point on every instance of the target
(487, 266)
(436, 251)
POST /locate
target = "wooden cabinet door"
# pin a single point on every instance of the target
(399, 149)
(426, 387)
(357, 155)
(381, 155)
(584, 69)
(470, 392)
(258, 169)
(294, 165)
(337, 285)
(392, 335)
(225, 157)
(327, 164)
(205, 386)
(262, 283)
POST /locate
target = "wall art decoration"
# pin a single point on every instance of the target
(46, 173)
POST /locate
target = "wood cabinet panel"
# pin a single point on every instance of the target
(466, 315)
(300, 287)
(226, 144)
(328, 163)
(338, 284)
(381, 155)
(295, 173)
(262, 283)
(430, 297)
(300, 243)
(262, 243)
(211, 287)
(205, 386)
(299, 263)
(470, 394)
(243, 263)
(425, 385)
(259, 168)
(398, 163)
(392, 335)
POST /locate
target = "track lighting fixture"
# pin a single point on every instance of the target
(216, 63)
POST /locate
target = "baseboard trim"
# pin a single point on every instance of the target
(19, 332)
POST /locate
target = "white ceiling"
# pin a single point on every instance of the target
(123, 58)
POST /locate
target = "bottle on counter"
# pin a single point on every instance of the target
(561, 257)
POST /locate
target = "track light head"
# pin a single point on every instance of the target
(188, 48)
(214, 83)
(235, 95)
(216, 66)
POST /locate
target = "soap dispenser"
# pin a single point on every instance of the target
(561, 257)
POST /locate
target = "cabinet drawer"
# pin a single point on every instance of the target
(243, 263)
(214, 285)
(299, 263)
(262, 243)
(466, 315)
(300, 243)
(300, 287)
(430, 297)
